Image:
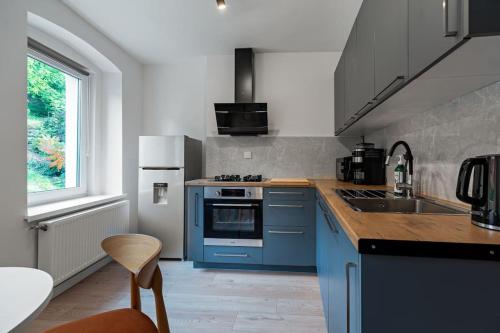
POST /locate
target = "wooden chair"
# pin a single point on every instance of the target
(139, 255)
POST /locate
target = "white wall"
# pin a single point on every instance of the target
(298, 88)
(174, 98)
(17, 243)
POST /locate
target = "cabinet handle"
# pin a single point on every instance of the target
(361, 112)
(196, 210)
(393, 82)
(287, 193)
(446, 20)
(350, 121)
(286, 206)
(331, 225)
(348, 267)
(231, 255)
(286, 232)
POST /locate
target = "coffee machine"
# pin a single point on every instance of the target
(367, 164)
(484, 196)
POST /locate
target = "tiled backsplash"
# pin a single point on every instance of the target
(276, 156)
(443, 137)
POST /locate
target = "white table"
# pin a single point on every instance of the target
(24, 293)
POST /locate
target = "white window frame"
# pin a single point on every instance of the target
(38, 198)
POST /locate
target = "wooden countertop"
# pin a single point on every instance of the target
(400, 234)
(264, 183)
(410, 234)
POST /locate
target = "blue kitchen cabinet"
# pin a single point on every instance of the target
(344, 291)
(338, 272)
(233, 254)
(289, 194)
(194, 222)
(290, 246)
(322, 262)
(289, 213)
(289, 227)
(320, 244)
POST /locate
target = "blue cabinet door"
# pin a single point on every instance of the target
(352, 286)
(291, 246)
(345, 291)
(194, 223)
(289, 213)
(289, 193)
(321, 263)
(233, 254)
(339, 273)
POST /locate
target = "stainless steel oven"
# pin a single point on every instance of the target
(233, 216)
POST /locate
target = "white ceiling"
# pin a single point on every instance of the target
(159, 31)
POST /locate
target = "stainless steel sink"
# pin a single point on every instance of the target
(387, 202)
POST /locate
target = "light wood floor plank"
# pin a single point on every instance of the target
(201, 300)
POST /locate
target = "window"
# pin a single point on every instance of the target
(57, 102)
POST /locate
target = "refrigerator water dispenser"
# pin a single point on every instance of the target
(160, 193)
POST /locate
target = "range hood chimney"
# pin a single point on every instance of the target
(244, 116)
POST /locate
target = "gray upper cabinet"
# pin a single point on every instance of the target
(351, 74)
(430, 36)
(365, 57)
(393, 42)
(390, 24)
(339, 83)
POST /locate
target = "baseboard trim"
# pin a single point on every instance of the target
(75, 279)
(255, 267)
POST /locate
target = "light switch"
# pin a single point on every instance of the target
(247, 155)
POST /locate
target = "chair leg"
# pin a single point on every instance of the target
(135, 293)
(161, 312)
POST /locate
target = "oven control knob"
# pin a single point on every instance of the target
(217, 193)
(249, 194)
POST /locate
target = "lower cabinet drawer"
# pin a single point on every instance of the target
(290, 246)
(233, 254)
(289, 213)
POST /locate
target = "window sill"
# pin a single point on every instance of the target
(47, 211)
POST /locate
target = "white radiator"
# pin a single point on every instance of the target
(72, 242)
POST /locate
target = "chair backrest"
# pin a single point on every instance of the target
(139, 254)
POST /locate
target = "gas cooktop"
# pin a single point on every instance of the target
(238, 178)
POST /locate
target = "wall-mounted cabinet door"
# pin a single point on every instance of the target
(434, 30)
(390, 19)
(351, 73)
(339, 96)
(365, 91)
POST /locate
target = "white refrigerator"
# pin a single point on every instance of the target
(165, 163)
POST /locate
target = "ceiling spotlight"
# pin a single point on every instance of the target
(221, 4)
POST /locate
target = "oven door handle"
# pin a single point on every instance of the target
(234, 205)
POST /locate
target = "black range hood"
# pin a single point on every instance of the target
(244, 117)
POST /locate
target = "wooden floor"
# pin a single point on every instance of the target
(200, 300)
